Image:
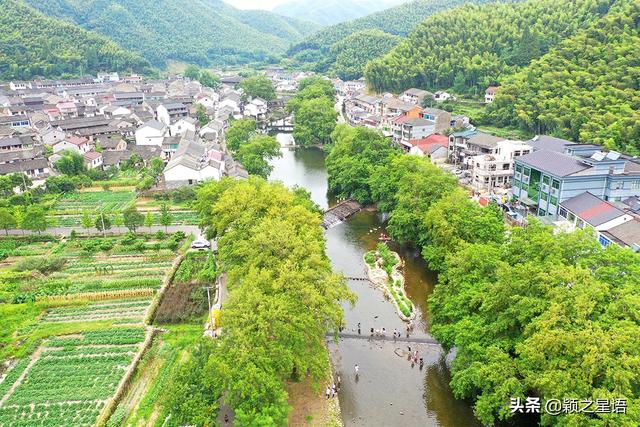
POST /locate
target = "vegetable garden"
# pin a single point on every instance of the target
(69, 380)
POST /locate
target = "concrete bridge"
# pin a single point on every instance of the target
(389, 337)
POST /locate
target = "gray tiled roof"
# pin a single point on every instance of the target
(627, 233)
(592, 209)
(546, 142)
(552, 162)
(485, 140)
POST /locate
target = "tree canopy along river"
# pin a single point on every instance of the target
(388, 390)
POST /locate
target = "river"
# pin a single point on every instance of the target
(388, 391)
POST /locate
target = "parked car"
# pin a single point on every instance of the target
(201, 243)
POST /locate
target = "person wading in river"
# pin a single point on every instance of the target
(356, 368)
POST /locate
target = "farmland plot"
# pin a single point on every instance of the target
(132, 310)
(69, 379)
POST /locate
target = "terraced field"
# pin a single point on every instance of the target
(69, 379)
(68, 210)
(75, 312)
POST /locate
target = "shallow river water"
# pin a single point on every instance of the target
(388, 391)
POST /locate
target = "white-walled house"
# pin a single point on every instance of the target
(52, 136)
(183, 125)
(192, 163)
(214, 130)
(151, 133)
(490, 94)
(495, 169)
(74, 143)
(93, 159)
(257, 109)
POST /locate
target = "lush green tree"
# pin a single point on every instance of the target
(283, 296)
(132, 219)
(7, 219)
(166, 218)
(103, 223)
(209, 79)
(256, 153)
(71, 163)
(35, 219)
(118, 220)
(61, 184)
(19, 215)
(259, 87)
(86, 221)
(315, 119)
(201, 113)
(192, 72)
(477, 53)
(355, 154)
(239, 132)
(148, 220)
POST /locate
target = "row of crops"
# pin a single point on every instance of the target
(85, 301)
(177, 218)
(69, 382)
(129, 309)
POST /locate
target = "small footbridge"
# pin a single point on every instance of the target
(390, 338)
(340, 212)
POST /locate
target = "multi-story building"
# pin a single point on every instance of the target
(407, 129)
(558, 170)
(495, 170)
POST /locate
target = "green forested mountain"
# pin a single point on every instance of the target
(350, 55)
(318, 51)
(585, 89)
(474, 46)
(32, 44)
(330, 12)
(203, 32)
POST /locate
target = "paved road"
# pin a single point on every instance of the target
(65, 231)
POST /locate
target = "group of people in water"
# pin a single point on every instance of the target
(332, 390)
(382, 332)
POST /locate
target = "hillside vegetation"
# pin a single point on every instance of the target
(586, 89)
(321, 50)
(32, 44)
(203, 32)
(474, 46)
(330, 12)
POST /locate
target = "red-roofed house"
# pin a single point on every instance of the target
(490, 94)
(434, 147)
(587, 209)
(67, 108)
(93, 159)
(76, 143)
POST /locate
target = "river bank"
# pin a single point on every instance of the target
(388, 391)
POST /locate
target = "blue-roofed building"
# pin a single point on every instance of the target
(559, 170)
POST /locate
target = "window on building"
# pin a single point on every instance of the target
(506, 166)
(553, 200)
(518, 168)
(571, 217)
(604, 241)
(542, 212)
(635, 185)
(527, 171)
(580, 223)
(562, 212)
(555, 184)
(546, 180)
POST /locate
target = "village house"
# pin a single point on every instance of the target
(114, 111)
(213, 131)
(415, 96)
(170, 112)
(151, 133)
(434, 147)
(558, 170)
(74, 143)
(111, 143)
(626, 235)
(16, 143)
(442, 96)
(466, 144)
(183, 125)
(19, 121)
(256, 109)
(51, 135)
(29, 161)
(407, 129)
(490, 94)
(495, 170)
(441, 118)
(93, 159)
(193, 163)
